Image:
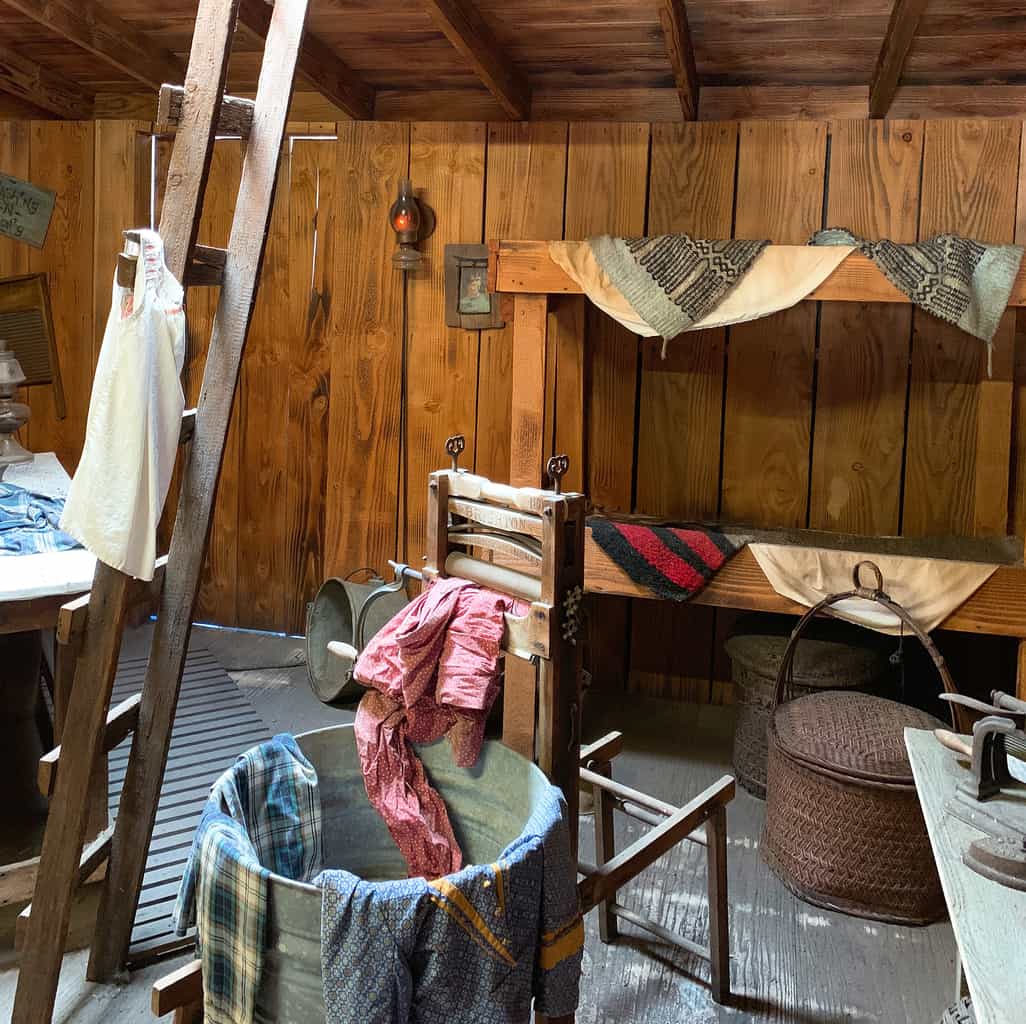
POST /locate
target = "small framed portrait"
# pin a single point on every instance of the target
(468, 303)
(474, 297)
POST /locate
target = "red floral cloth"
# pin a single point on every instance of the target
(433, 671)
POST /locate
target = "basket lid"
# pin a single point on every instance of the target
(850, 733)
(818, 661)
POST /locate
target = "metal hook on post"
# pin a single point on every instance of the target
(555, 469)
(454, 446)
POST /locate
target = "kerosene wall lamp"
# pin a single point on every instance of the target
(407, 221)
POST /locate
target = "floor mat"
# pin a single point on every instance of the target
(214, 723)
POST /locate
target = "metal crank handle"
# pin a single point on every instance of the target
(342, 650)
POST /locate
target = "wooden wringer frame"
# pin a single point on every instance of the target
(535, 539)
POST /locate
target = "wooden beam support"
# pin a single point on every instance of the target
(46, 89)
(105, 35)
(464, 27)
(674, 17)
(525, 267)
(896, 43)
(318, 64)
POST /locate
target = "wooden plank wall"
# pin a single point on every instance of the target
(100, 173)
(868, 419)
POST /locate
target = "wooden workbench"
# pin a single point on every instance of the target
(32, 590)
(987, 918)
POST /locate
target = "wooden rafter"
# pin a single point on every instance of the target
(318, 64)
(115, 41)
(901, 30)
(677, 34)
(43, 88)
(464, 27)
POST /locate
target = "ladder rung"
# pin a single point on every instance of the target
(236, 113)
(94, 856)
(121, 720)
(210, 255)
(205, 268)
(73, 616)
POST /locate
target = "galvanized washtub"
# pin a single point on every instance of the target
(488, 806)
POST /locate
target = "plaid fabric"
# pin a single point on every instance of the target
(28, 522)
(476, 946)
(263, 815)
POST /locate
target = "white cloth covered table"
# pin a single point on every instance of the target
(53, 573)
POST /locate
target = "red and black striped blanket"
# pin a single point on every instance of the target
(675, 563)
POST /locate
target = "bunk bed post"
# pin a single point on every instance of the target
(528, 450)
(527, 457)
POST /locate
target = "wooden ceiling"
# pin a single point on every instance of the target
(611, 59)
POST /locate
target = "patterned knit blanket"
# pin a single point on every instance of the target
(674, 280)
(956, 279)
(675, 563)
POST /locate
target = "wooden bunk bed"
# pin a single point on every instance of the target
(524, 270)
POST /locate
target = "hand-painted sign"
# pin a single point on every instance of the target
(25, 210)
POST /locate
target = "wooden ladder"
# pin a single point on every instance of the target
(200, 111)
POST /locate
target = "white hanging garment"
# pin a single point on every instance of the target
(135, 417)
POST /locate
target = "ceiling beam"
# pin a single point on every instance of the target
(318, 64)
(106, 36)
(464, 27)
(45, 89)
(677, 34)
(897, 42)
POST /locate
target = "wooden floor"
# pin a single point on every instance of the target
(214, 723)
(790, 962)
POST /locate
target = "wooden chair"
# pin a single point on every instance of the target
(535, 539)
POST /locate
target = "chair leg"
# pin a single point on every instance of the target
(191, 1014)
(719, 927)
(605, 849)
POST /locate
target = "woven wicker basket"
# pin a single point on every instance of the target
(844, 829)
(829, 656)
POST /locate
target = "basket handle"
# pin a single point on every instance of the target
(877, 594)
(856, 577)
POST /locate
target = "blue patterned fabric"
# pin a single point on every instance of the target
(28, 522)
(263, 815)
(474, 947)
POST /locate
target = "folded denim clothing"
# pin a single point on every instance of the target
(29, 522)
